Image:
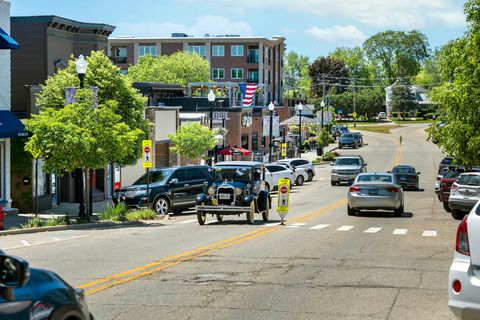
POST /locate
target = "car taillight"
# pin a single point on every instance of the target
(457, 286)
(394, 190)
(354, 189)
(461, 244)
(454, 187)
(439, 178)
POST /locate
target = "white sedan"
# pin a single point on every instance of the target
(274, 172)
(464, 275)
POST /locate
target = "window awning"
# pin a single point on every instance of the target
(10, 126)
(7, 42)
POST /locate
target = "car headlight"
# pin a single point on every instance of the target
(238, 191)
(211, 191)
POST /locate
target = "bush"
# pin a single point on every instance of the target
(36, 222)
(394, 114)
(141, 214)
(317, 160)
(428, 116)
(329, 156)
(114, 213)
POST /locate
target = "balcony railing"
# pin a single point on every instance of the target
(253, 79)
(252, 59)
(119, 59)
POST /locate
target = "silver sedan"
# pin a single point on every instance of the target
(375, 191)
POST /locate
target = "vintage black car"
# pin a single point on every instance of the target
(239, 187)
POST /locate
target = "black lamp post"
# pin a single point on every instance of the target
(211, 99)
(271, 108)
(300, 108)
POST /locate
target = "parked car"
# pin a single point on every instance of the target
(464, 194)
(274, 172)
(446, 183)
(301, 163)
(346, 168)
(464, 274)
(338, 130)
(301, 174)
(444, 164)
(171, 189)
(375, 191)
(382, 115)
(239, 187)
(407, 176)
(36, 294)
(359, 137)
(347, 140)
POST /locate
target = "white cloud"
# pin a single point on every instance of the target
(213, 25)
(408, 14)
(345, 35)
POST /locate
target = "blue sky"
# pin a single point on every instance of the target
(311, 27)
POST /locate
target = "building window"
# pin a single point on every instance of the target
(200, 50)
(237, 73)
(253, 55)
(144, 50)
(237, 51)
(255, 141)
(120, 55)
(245, 141)
(253, 76)
(264, 141)
(218, 51)
(218, 73)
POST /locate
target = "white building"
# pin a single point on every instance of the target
(421, 95)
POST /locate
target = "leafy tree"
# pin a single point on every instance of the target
(368, 102)
(460, 63)
(334, 71)
(397, 53)
(403, 99)
(356, 62)
(430, 73)
(296, 75)
(80, 136)
(192, 140)
(179, 68)
(114, 92)
(324, 138)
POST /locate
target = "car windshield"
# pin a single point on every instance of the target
(374, 178)
(446, 161)
(469, 180)
(158, 176)
(233, 174)
(404, 170)
(347, 135)
(347, 162)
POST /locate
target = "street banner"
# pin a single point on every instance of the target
(284, 149)
(283, 197)
(71, 91)
(147, 153)
(276, 126)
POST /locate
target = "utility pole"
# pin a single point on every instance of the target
(354, 105)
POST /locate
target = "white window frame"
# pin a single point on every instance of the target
(198, 50)
(234, 50)
(216, 51)
(236, 70)
(147, 49)
(218, 70)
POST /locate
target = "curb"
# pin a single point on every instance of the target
(92, 225)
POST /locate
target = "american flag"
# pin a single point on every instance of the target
(248, 92)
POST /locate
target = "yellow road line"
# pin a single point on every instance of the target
(398, 157)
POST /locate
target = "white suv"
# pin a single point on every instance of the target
(464, 194)
(464, 275)
(274, 172)
(301, 163)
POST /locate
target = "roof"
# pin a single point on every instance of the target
(296, 120)
(240, 163)
(61, 20)
(133, 39)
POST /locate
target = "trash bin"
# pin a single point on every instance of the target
(319, 151)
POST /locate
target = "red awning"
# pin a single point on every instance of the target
(234, 151)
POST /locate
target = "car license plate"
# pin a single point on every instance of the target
(214, 202)
(346, 178)
(224, 196)
(373, 192)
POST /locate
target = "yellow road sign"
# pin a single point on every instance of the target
(354, 114)
(283, 197)
(147, 153)
(284, 149)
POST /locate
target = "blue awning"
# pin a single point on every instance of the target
(10, 126)
(7, 42)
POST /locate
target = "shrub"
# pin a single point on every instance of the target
(428, 116)
(394, 114)
(317, 160)
(114, 213)
(34, 222)
(141, 214)
(60, 221)
(329, 156)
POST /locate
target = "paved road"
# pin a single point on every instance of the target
(322, 265)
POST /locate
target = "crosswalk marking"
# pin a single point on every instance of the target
(272, 224)
(296, 225)
(401, 232)
(372, 230)
(25, 243)
(319, 226)
(429, 233)
(345, 228)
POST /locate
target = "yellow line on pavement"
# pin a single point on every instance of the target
(398, 156)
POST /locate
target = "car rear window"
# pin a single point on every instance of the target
(452, 174)
(374, 178)
(406, 177)
(404, 170)
(446, 161)
(469, 180)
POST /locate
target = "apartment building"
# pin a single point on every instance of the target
(232, 58)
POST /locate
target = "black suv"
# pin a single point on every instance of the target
(171, 189)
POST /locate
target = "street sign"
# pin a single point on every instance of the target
(147, 153)
(284, 149)
(283, 197)
(354, 114)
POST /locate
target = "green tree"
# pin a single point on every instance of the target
(356, 62)
(403, 99)
(296, 75)
(397, 53)
(460, 63)
(80, 136)
(178, 68)
(114, 92)
(333, 71)
(192, 140)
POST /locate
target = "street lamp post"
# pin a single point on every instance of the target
(211, 99)
(81, 68)
(271, 108)
(322, 104)
(300, 108)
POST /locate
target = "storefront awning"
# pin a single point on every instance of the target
(10, 126)
(7, 42)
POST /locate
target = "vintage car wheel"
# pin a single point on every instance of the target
(201, 216)
(219, 217)
(266, 212)
(251, 213)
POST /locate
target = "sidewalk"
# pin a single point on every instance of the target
(312, 155)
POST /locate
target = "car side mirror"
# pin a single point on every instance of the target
(388, 172)
(174, 181)
(14, 273)
(332, 164)
(418, 172)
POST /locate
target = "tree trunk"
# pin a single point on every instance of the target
(86, 198)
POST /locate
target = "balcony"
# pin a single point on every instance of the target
(253, 79)
(252, 59)
(119, 59)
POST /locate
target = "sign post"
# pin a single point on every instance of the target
(354, 114)
(283, 198)
(147, 164)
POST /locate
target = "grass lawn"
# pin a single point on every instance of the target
(379, 128)
(411, 121)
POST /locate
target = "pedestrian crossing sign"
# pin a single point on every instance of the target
(283, 197)
(147, 154)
